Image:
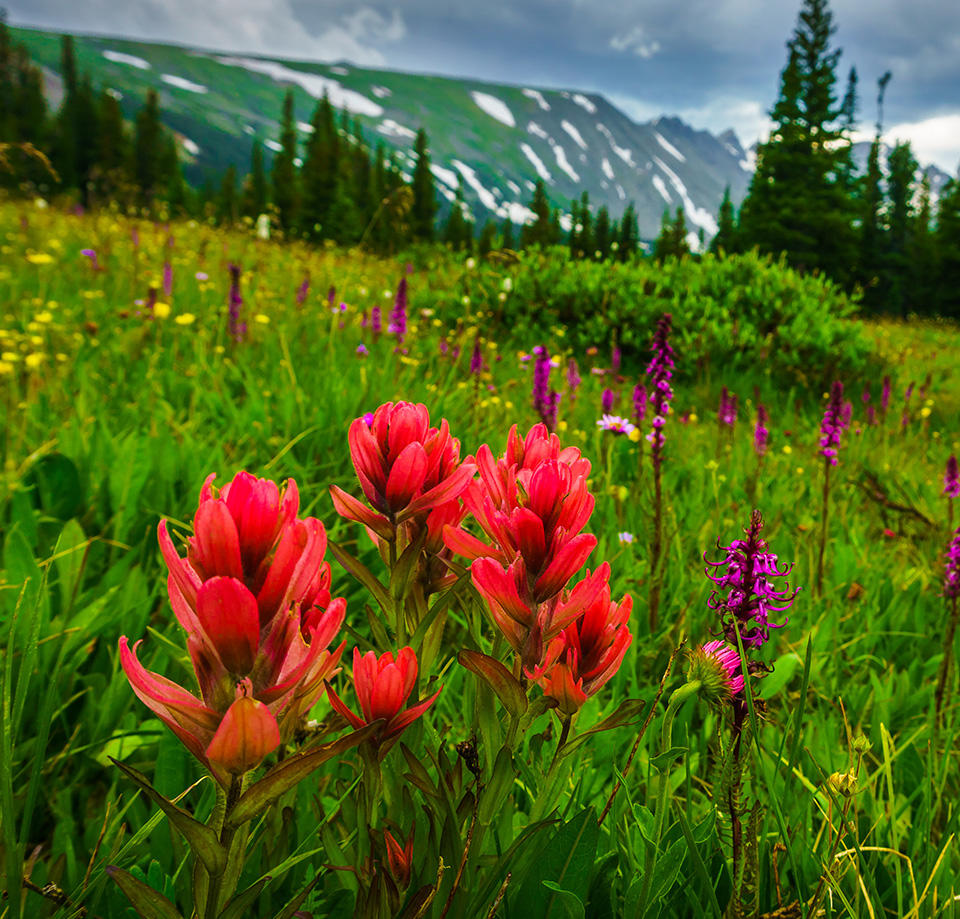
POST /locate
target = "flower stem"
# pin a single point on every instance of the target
(227, 832)
(824, 522)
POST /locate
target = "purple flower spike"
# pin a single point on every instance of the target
(398, 315)
(92, 255)
(836, 419)
(376, 322)
(573, 377)
(476, 359)
(639, 403)
(606, 401)
(167, 279)
(303, 290)
(951, 574)
(745, 594)
(885, 396)
(615, 359)
(951, 479)
(545, 400)
(659, 374)
(761, 435)
(727, 413)
(237, 328)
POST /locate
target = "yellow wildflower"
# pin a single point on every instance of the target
(262, 318)
(5, 368)
(34, 360)
(161, 310)
(184, 319)
(39, 258)
(787, 449)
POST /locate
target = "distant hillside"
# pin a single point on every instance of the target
(498, 138)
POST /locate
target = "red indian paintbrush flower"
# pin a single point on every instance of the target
(399, 858)
(532, 504)
(383, 685)
(589, 651)
(253, 595)
(405, 467)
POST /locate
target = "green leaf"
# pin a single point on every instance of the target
(56, 486)
(495, 791)
(282, 777)
(295, 904)
(498, 678)
(238, 906)
(69, 556)
(363, 574)
(202, 839)
(664, 759)
(570, 904)
(418, 774)
(405, 566)
(628, 712)
(149, 903)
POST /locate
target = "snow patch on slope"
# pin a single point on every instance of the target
(494, 107)
(537, 97)
(381, 92)
(394, 129)
(189, 146)
(131, 60)
(312, 83)
(698, 215)
(482, 192)
(584, 102)
(661, 187)
(574, 133)
(542, 170)
(623, 152)
(305, 127)
(181, 83)
(447, 176)
(607, 168)
(561, 156)
(273, 145)
(673, 151)
(537, 131)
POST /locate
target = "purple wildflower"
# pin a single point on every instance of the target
(951, 479)
(476, 359)
(951, 574)
(92, 255)
(871, 415)
(167, 279)
(761, 435)
(724, 659)
(376, 323)
(573, 377)
(545, 400)
(836, 418)
(616, 425)
(607, 399)
(303, 290)
(659, 373)
(727, 413)
(398, 315)
(238, 329)
(202, 276)
(615, 358)
(885, 397)
(745, 594)
(331, 295)
(151, 301)
(639, 402)
(362, 350)
(865, 396)
(368, 419)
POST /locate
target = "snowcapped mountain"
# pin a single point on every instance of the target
(497, 139)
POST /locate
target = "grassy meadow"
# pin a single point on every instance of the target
(115, 410)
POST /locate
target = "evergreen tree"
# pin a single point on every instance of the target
(457, 233)
(424, 210)
(921, 256)
(584, 228)
(872, 231)
(573, 239)
(284, 174)
(148, 150)
(628, 237)
(947, 249)
(173, 188)
(902, 167)
(113, 150)
(798, 202)
(672, 240)
(725, 237)
(488, 235)
(255, 186)
(320, 170)
(228, 208)
(65, 146)
(602, 235)
(540, 231)
(506, 235)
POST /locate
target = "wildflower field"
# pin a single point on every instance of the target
(522, 588)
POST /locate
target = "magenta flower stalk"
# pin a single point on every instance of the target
(951, 487)
(331, 296)
(476, 358)
(761, 435)
(167, 279)
(639, 403)
(376, 322)
(836, 419)
(727, 412)
(398, 315)
(615, 358)
(573, 378)
(237, 328)
(303, 290)
(745, 592)
(545, 400)
(659, 374)
(92, 255)
(607, 399)
(951, 593)
(885, 398)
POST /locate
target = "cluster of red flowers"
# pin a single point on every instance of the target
(253, 592)
(532, 503)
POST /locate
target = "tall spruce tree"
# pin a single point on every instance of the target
(798, 202)
(870, 267)
(921, 256)
(628, 237)
(602, 234)
(286, 194)
(424, 210)
(320, 171)
(457, 232)
(901, 168)
(255, 185)
(148, 151)
(725, 237)
(539, 232)
(946, 294)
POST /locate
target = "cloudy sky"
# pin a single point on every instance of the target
(715, 63)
